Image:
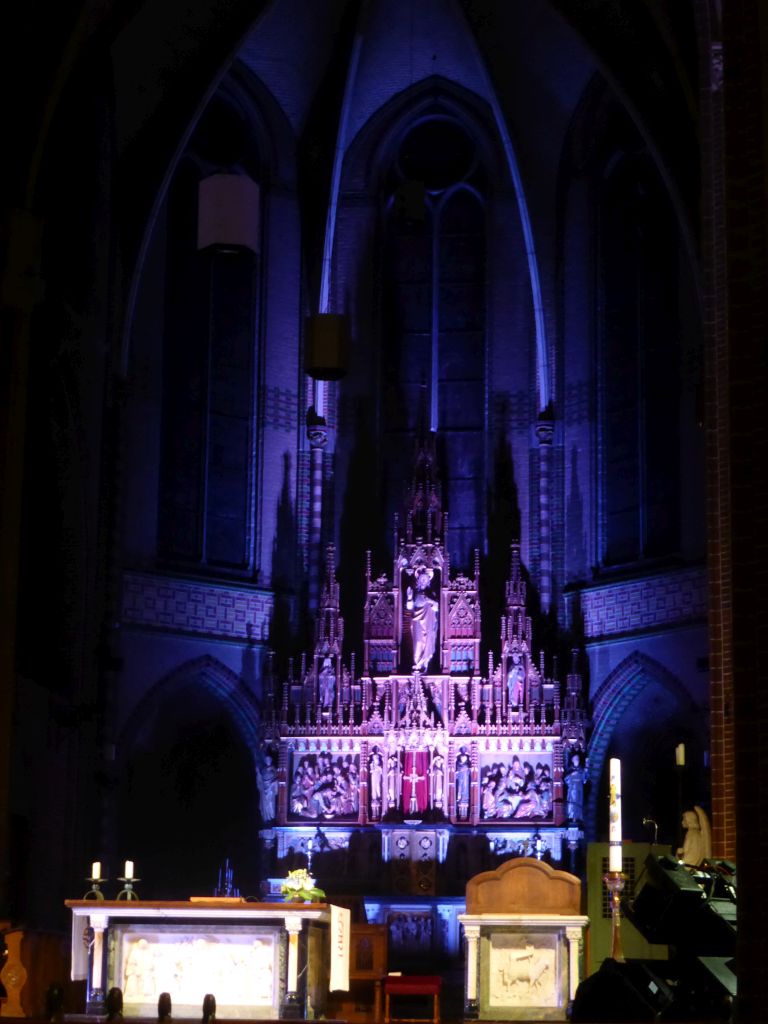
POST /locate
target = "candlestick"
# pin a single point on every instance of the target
(128, 892)
(95, 893)
(615, 862)
(680, 773)
(614, 882)
(128, 880)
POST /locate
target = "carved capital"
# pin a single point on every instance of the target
(545, 430)
(317, 435)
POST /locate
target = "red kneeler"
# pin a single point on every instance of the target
(413, 985)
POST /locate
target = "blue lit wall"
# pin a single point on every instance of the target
(540, 258)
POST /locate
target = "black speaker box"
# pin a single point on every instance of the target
(631, 991)
(672, 907)
(706, 988)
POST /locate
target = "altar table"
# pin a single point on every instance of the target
(525, 942)
(259, 960)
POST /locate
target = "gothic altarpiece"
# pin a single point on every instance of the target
(422, 769)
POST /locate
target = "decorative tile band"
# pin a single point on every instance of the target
(186, 606)
(656, 601)
(281, 406)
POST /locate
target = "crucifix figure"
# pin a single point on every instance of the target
(413, 777)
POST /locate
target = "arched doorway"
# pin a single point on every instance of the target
(188, 796)
(642, 712)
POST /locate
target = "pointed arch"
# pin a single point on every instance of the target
(215, 677)
(614, 696)
(188, 780)
(379, 137)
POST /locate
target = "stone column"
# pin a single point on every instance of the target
(544, 431)
(292, 1004)
(471, 994)
(96, 986)
(317, 435)
(575, 937)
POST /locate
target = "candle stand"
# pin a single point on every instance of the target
(128, 892)
(614, 883)
(95, 893)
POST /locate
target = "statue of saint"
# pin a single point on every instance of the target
(515, 677)
(267, 778)
(375, 773)
(424, 612)
(463, 773)
(327, 680)
(697, 844)
(436, 770)
(393, 780)
(574, 790)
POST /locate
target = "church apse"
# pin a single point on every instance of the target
(432, 761)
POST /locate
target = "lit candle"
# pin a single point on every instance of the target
(680, 755)
(128, 873)
(96, 871)
(614, 817)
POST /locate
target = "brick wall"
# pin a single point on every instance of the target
(741, 450)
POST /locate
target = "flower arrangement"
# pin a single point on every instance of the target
(299, 887)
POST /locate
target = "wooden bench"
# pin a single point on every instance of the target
(412, 985)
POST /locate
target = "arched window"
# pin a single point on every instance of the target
(209, 374)
(639, 366)
(433, 360)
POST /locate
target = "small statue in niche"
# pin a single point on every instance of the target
(515, 679)
(424, 613)
(267, 779)
(697, 843)
(393, 780)
(375, 773)
(463, 773)
(575, 778)
(327, 682)
(436, 695)
(436, 769)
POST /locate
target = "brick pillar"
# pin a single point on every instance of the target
(717, 439)
(745, 438)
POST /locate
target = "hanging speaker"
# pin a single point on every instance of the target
(228, 212)
(326, 344)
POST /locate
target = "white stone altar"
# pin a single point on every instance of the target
(524, 942)
(248, 955)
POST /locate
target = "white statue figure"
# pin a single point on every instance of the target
(436, 770)
(393, 780)
(515, 677)
(375, 773)
(327, 679)
(697, 843)
(424, 612)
